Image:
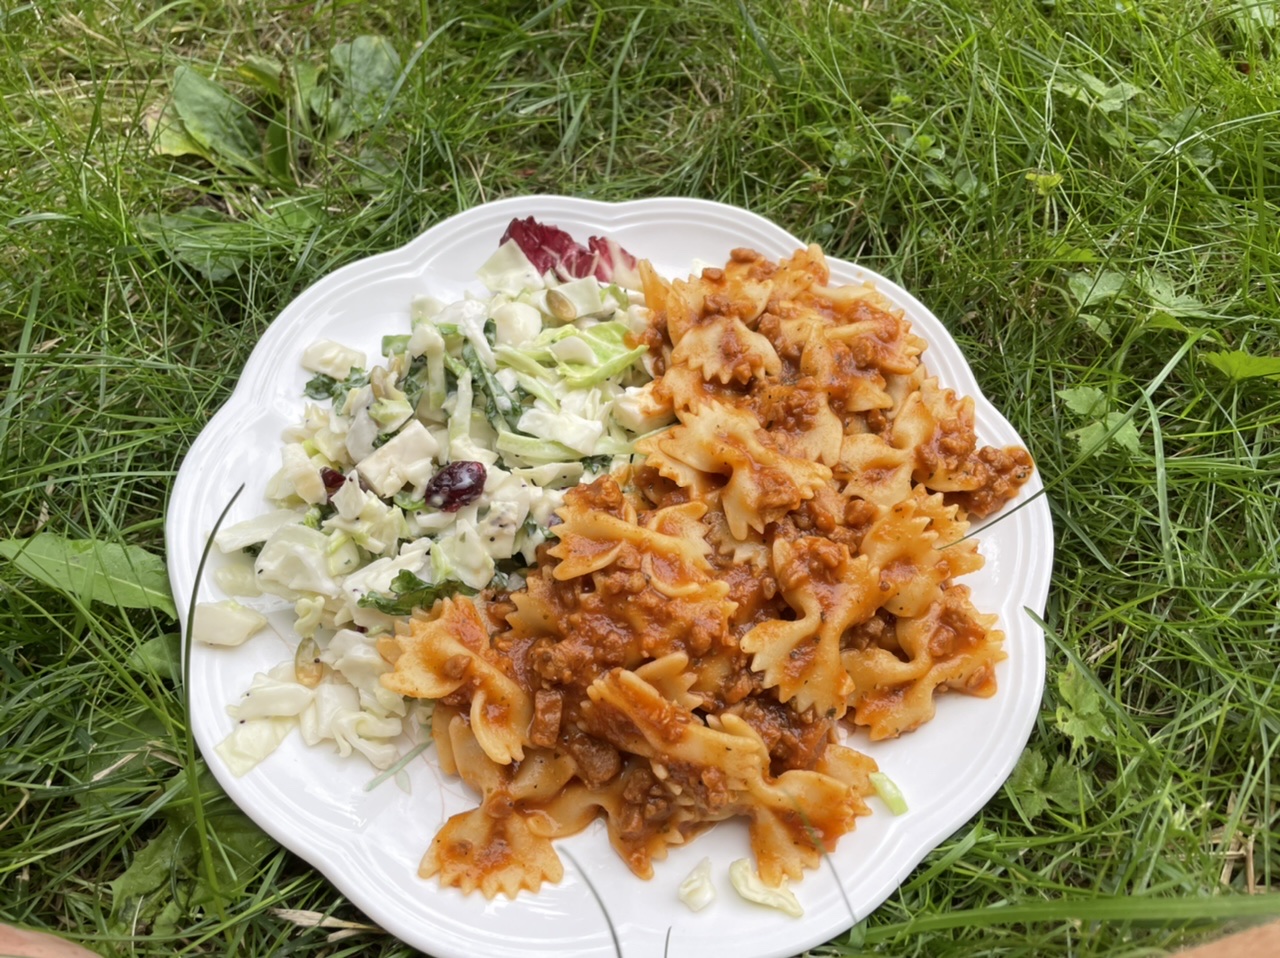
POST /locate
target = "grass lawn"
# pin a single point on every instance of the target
(1085, 191)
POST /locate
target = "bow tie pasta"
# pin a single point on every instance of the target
(780, 560)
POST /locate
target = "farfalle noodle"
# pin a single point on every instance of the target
(779, 562)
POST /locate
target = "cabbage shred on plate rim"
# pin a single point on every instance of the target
(435, 472)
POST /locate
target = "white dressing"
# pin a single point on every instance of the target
(516, 394)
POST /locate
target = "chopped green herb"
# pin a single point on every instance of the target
(499, 406)
(409, 593)
(414, 380)
(321, 386)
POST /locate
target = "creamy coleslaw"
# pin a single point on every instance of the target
(433, 472)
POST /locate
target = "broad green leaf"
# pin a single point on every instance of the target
(1024, 783)
(1177, 135)
(169, 136)
(1158, 286)
(277, 151)
(1182, 125)
(216, 120)
(1077, 693)
(925, 145)
(1075, 90)
(1096, 86)
(160, 655)
(122, 746)
(319, 101)
(1034, 791)
(967, 182)
(1237, 364)
(1161, 320)
(1164, 296)
(1086, 89)
(302, 80)
(1080, 716)
(935, 177)
(165, 877)
(1089, 436)
(1084, 400)
(1091, 402)
(1081, 728)
(167, 923)
(367, 68)
(1252, 14)
(1091, 91)
(335, 114)
(1115, 97)
(292, 213)
(243, 845)
(149, 870)
(209, 242)
(377, 170)
(1096, 325)
(1066, 253)
(264, 73)
(127, 577)
(290, 220)
(1063, 786)
(1126, 435)
(1117, 137)
(1088, 290)
(1200, 154)
(1045, 183)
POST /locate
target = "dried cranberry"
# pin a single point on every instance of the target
(333, 480)
(456, 485)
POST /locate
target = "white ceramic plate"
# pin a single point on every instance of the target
(369, 842)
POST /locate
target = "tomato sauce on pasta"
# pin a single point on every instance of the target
(771, 566)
